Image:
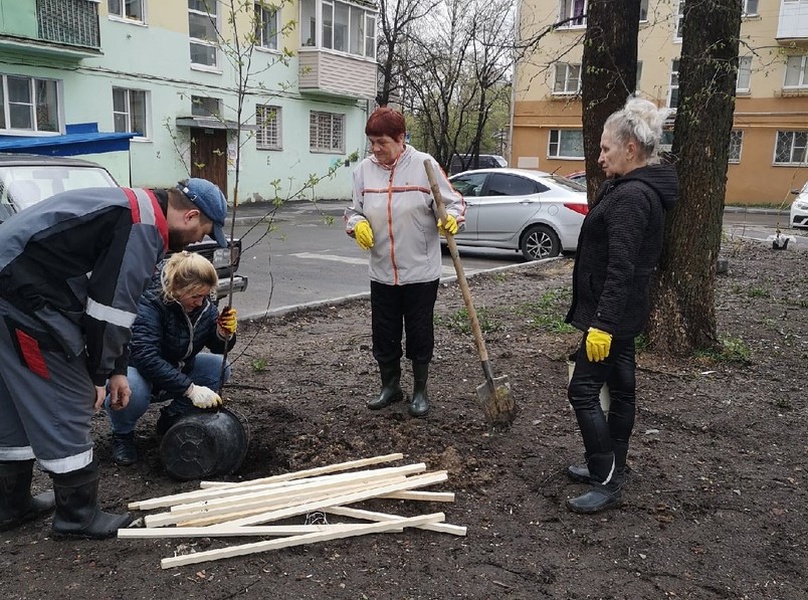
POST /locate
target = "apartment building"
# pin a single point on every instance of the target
(769, 141)
(151, 88)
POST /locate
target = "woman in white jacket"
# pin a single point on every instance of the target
(394, 216)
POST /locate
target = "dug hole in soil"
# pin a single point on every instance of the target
(715, 507)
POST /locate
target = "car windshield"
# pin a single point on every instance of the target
(23, 186)
(568, 184)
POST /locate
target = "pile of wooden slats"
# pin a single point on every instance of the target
(222, 509)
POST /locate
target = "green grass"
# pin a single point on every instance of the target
(733, 350)
(548, 311)
(460, 322)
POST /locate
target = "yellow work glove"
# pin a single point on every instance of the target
(203, 397)
(449, 227)
(227, 321)
(597, 344)
(364, 235)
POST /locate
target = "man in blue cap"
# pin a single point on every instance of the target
(72, 270)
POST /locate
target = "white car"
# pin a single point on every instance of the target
(799, 208)
(532, 212)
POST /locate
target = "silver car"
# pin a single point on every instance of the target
(532, 212)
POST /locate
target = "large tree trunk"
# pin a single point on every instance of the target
(608, 73)
(683, 315)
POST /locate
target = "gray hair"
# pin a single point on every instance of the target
(641, 121)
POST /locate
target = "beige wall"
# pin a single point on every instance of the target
(759, 114)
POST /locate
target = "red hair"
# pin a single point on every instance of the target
(386, 121)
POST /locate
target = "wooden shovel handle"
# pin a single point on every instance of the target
(461, 275)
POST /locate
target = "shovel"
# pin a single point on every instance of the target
(495, 393)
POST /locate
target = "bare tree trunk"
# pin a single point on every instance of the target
(683, 315)
(608, 73)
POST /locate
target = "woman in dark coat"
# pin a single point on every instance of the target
(176, 320)
(618, 249)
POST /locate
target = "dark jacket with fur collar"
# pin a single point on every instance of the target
(618, 250)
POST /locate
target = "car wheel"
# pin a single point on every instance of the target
(540, 242)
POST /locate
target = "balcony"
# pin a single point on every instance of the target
(329, 73)
(792, 27)
(54, 28)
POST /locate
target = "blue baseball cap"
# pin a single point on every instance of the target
(208, 198)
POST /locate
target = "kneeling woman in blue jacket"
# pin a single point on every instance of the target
(176, 320)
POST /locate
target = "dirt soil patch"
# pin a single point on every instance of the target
(715, 508)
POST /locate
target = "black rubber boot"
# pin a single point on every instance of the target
(580, 473)
(391, 386)
(419, 405)
(124, 452)
(605, 490)
(17, 506)
(77, 513)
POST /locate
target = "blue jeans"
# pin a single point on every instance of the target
(206, 371)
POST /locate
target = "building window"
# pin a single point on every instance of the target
(266, 26)
(673, 95)
(680, 18)
(796, 72)
(326, 132)
(129, 111)
(750, 8)
(790, 148)
(126, 9)
(268, 132)
(29, 104)
(735, 145)
(345, 27)
(202, 106)
(202, 27)
(566, 143)
(572, 13)
(744, 74)
(567, 79)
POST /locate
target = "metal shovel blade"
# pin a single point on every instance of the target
(497, 401)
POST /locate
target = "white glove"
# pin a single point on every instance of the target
(203, 397)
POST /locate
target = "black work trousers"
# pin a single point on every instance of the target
(618, 371)
(397, 309)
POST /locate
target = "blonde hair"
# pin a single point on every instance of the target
(185, 274)
(641, 121)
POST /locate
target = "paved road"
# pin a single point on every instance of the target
(301, 255)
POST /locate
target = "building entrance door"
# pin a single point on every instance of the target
(209, 155)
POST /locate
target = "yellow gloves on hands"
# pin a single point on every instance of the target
(227, 321)
(449, 227)
(598, 344)
(203, 397)
(364, 235)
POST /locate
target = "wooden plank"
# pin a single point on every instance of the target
(295, 508)
(261, 503)
(232, 490)
(367, 515)
(297, 540)
(225, 531)
(423, 496)
(343, 466)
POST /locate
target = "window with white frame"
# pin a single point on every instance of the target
(344, 28)
(791, 148)
(202, 28)
(750, 7)
(266, 25)
(29, 104)
(566, 143)
(744, 75)
(735, 145)
(126, 9)
(268, 123)
(680, 18)
(326, 132)
(673, 92)
(567, 79)
(206, 107)
(572, 13)
(796, 72)
(130, 111)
